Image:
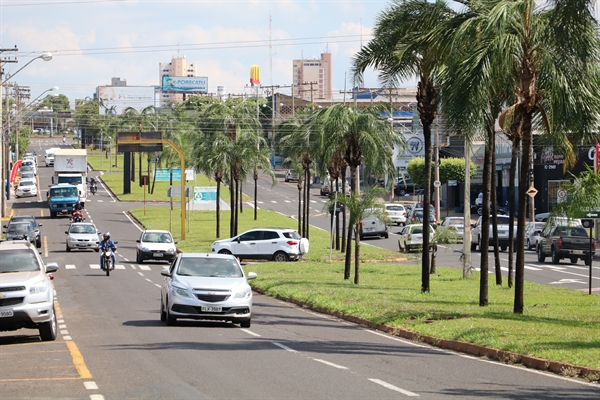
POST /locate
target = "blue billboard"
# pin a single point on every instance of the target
(185, 84)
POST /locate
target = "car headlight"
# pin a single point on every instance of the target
(177, 291)
(145, 249)
(244, 294)
(38, 287)
(171, 251)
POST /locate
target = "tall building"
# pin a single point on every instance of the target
(312, 78)
(177, 67)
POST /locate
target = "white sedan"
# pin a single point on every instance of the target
(411, 237)
(26, 188)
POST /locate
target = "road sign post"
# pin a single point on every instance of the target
(589, 223)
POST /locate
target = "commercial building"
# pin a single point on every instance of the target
(312, 78)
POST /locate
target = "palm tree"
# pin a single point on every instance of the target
(359, 137)
(399, 51)
(549, 56)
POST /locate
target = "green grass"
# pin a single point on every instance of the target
(558, 324)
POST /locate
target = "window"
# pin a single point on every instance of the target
(249, 236)
(269, 235)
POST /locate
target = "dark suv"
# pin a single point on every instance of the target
(35, 227)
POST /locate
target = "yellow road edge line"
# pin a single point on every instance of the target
(8, 216)
(84, 372)
(45, 246)
(41, 212)
(38, 379)
(57, 310)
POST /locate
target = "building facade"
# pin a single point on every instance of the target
(312, 78)
(176, 67)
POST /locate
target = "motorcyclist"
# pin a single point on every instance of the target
(64, 138)
(93, 185)
(107, 243)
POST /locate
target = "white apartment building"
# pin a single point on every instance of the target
(312, 78)
(176, 67)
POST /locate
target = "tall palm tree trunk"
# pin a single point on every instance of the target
(511, 207)
(356, 257)
(241, 197)
(218, 209)
(484, 240)
(344, 222)
(231, 204)
(497, 270)
(236, 212)
(307, 195)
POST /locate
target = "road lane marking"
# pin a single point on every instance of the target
(330, 364)
(144, 267)
(96, 397)
(284, 347)
(133, 222)
(149, 280)
(70, 266)
(157, 285)
(392, 387)
(84, 373)
(119, 266)
(95, 266)
(45, 246)
(250, 332)
(140, 274)
(90, 385)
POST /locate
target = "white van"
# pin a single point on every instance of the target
(49, 157)
(373, 223)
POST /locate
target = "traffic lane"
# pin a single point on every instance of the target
(372, 355)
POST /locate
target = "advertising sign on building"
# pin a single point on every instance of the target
(185, 84)
(114, 100)
(164, 174)
(206, 194)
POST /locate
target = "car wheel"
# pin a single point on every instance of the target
(67, 247)
(38, 243)
(574, 260)
(171, 320)
(280, 256)
(407, 249)
(528, 245)
(502, 248)
(588, 260)
(540, 254)
(246, 323)
(479, 211)
(163, 313)
(473, 246)
(138, 258)
(387, 235)
(52, 214)
(224, 252)
(48, 330)
(555, 257)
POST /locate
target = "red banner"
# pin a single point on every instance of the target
(15, 169)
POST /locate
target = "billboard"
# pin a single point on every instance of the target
(114, 100)
(185, 84)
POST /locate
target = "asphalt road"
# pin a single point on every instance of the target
(112, 345)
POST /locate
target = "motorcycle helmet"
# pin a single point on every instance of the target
(106, 235)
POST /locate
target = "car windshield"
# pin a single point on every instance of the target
(26, 183)
(18, 261)
(209, 267)
(19, 228)
(503, 220)
(83, 229)
(455, 221)
(72, 180)
(27, 175)
(395, 208)
(154, 237)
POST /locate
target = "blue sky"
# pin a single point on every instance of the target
(95, 40)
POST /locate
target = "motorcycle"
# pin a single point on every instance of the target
(77, 217)
(93, 188)
(107, 263)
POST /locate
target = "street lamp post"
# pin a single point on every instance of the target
(19, 115)
(4, 188)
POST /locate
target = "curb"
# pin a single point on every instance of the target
(506, 357)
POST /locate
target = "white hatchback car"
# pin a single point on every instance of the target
(276, 244)
(396, 213)
(411, 237)
(29, 163)
(82, 236)
(206, 286)
(155, 245)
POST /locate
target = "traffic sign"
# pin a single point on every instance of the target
(593, 214)
(562, 194)
(437, 184)
(532, 192)
(452, 182)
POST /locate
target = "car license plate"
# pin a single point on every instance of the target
(211, 308)
(6, 313)
(157, 254)
(577, 252)
(369, 229)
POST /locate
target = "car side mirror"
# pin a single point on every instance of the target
(175, 242)
(67, 232)
(40, 224)
(137, 241)
(238, 239)
(251, 275)
(165, 272)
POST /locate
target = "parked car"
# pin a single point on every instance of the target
(373, 223)
(29, 163)
(155, 245)
(276, 244)
(396, 213)
(415, 215)
(82, 236)
(34, 226)
(206, 286)
(28, 176)
(411, 238)
(27, 294)
(26, 168)
(455, 227)
(327, 191)
(30, 157)
(503, 233)
(533, 232)
(291, 176)
(26, 188)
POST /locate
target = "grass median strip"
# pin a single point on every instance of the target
(558, 324)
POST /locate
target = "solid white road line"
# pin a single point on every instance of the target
(330, 364)
(392, 387)
(284, 347)
(250, 332)
(133, 222)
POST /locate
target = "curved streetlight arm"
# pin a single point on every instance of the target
(45, 57)
(24, 108)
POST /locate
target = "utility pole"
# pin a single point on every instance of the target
(4, 173)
